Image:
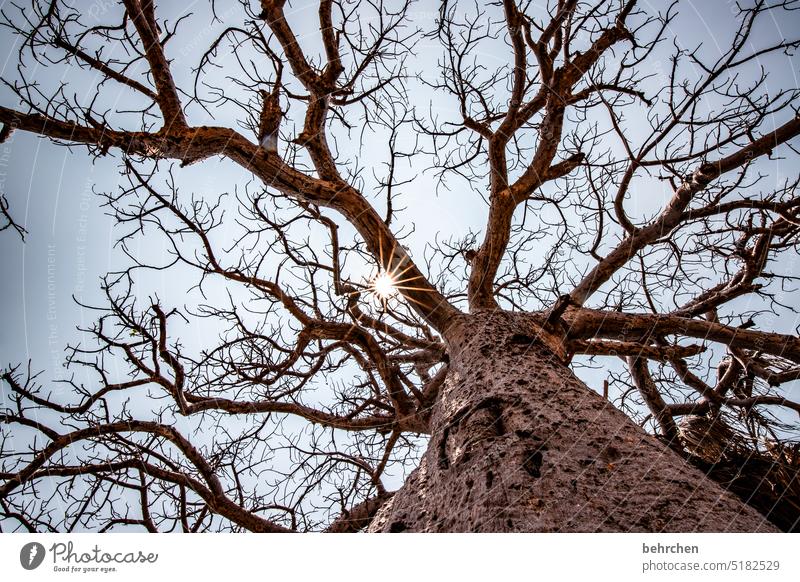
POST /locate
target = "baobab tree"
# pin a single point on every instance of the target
(640, 214)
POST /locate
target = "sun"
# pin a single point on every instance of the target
(391, 280)
(383, 286)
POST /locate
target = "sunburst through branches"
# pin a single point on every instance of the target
(383, 286)
(391, 281)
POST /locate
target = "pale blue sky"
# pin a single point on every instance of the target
(70, 240)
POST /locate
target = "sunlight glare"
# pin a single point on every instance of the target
(383, 286)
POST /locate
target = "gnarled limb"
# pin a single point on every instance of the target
(588, 323)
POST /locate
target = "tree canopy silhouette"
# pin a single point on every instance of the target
(312, 372)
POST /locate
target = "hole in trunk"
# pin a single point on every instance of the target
(398, 527)
(532, 463)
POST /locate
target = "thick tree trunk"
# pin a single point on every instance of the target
(519, 444)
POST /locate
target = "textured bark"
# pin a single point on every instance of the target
(519, 444)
